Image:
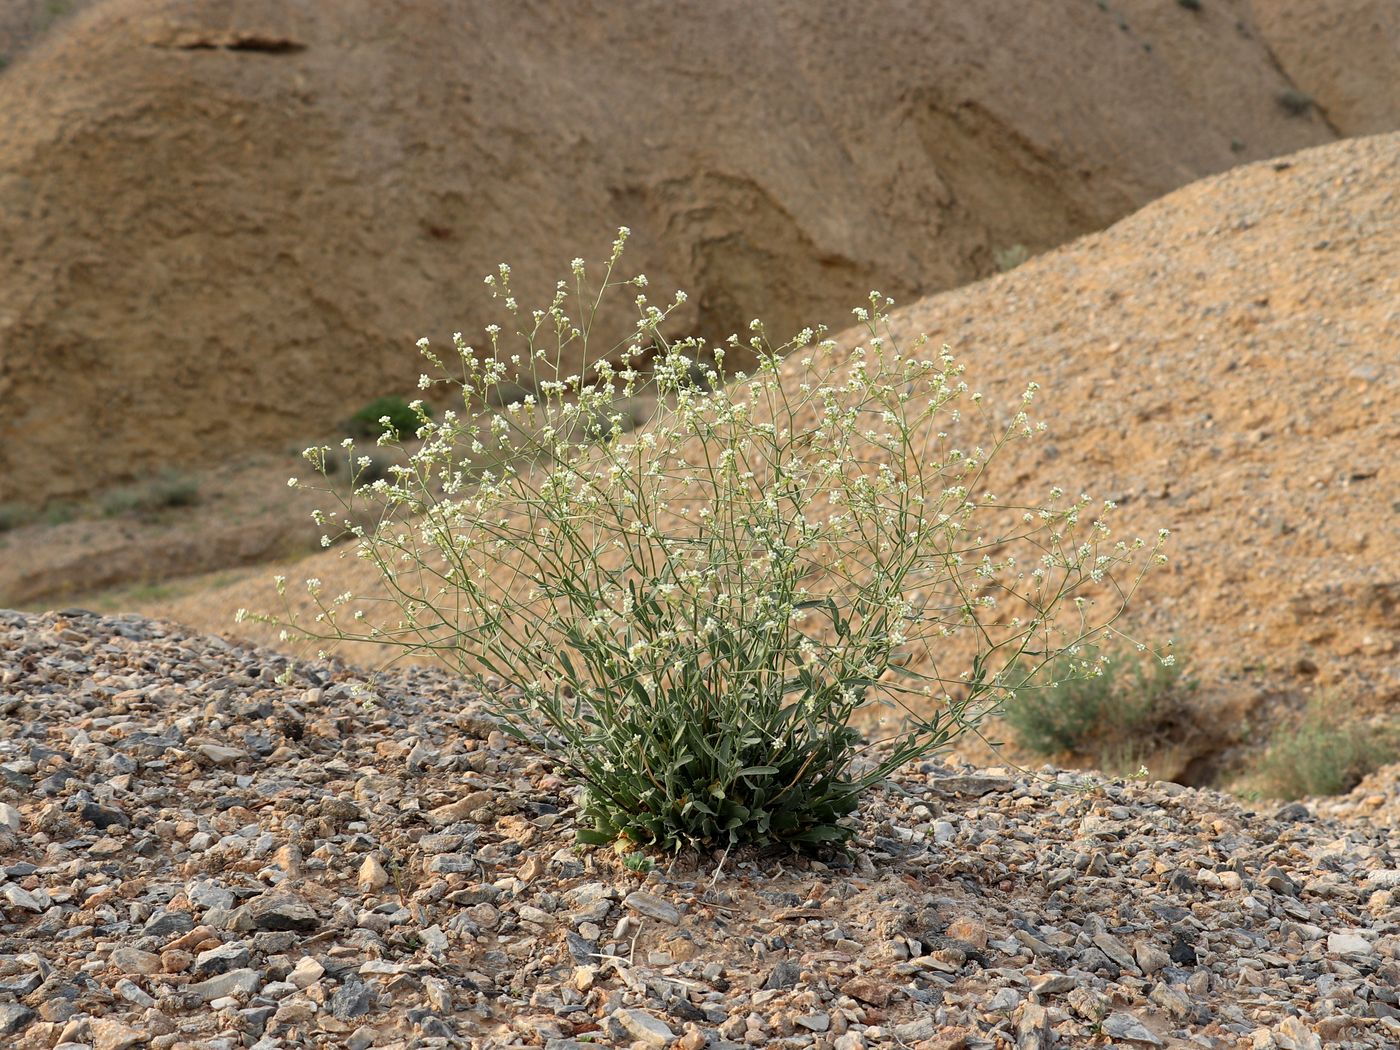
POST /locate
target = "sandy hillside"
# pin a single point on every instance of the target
(1221, 364)
(225, 224)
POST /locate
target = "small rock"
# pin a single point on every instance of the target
(14, 1018)
(10, 817)
(225, 984)
(19, 897)
(646, 1027)
(113, 1035)
(1348, 944)
(173, 960)
(451, 864)
(1172, 1001)
(1292, 1034)
(817, 1022)
(282, 911)
(209, 895)
(460, 810)
(915, 1031)
(372, 877)
(1116, 950)
(1121, 1025)
(784, 975)
(1052, 984)
(653, 907)
(969, 931)
(218, 755)
(133, 960)
(868, 990)
(1150, 958)
(104, 817)
(306, 972)
(1033, 1028)
(353, 999)
(1275, 879)
(133, 993)
(165, 923)
(222, 959)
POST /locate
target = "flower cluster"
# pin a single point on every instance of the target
(687, 615)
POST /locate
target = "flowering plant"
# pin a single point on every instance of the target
(686, 617)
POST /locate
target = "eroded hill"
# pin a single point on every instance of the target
(224, 225)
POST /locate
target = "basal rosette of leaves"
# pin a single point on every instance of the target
(684, 618)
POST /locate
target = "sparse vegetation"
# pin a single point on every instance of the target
(171, 489)
(12, 516)
(59, 513)
(1113, 718)
(1296, 102)
(1009, 258)
(1325, 750)
(686, 618)
(390, 416)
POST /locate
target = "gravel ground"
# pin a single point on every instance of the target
(195, 854)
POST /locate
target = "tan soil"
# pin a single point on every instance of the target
(226, 224)
(1356, 87)
(1222, 364)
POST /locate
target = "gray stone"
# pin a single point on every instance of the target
(108, 1034)
(222, 959)
(104, 817)
(653, 907)
(218, 755)
(14, 1018)
(451, 864)
(352, 999)
(282, 911)
(1121, 1025)
(1052, 984)
(19, 897)
(209, 895)
(166, 924)
(646, 1027)
(133, 993)
(784, 975)
(232, 983)
(1116, 950)
(1348, 944)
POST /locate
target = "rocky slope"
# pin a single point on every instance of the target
(1221, 364)
(226, 224)
(209, 846)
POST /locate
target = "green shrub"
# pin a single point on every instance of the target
(1295, 102)
(12, 516)
(170, 489)
(686, 617)
(59, 513)
(1114, 717)
(1326, 750)
(1007, 259)
(391, 416)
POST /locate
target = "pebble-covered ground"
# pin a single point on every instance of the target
(196, 854)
